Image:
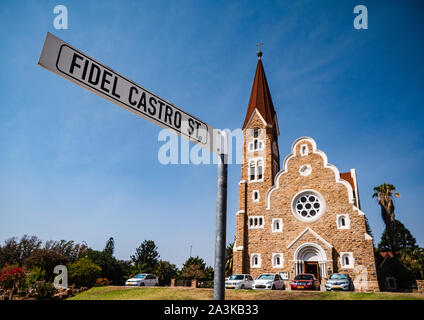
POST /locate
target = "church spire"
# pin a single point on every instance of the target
(260, 97)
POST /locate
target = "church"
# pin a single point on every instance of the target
(302, 218)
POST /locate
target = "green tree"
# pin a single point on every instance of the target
(413, 261)
(84, 272)
(110, 246)
(46, 260)
(384, 194)
(146, 257)
(15, 252)
(193, 268)
(229, 259)
(403, 239)
(114, 270)
(165, 271)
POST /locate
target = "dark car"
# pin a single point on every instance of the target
(305, 281)
(339, 281)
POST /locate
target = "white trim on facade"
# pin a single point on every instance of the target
(346, 218)
(256, 161)
(259, 264)
(314, 233)
(343, 264)
(274, 257)
(258, 225)
(253, 195)
(280, 222)
(251, 117)
(305, 170)
(240, 212)
(326, 165)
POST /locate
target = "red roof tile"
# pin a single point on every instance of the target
(348, 177)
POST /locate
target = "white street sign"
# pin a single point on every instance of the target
(72, 64)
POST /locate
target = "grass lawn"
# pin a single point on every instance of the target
(166, 293)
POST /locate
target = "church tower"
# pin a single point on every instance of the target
(261, 163)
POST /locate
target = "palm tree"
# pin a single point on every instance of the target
(384, 194)
(229, 259)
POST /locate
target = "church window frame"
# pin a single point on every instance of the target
(343, 221)
(277, 260)
(255, 196)
(256, 170)
(304, 150)
(256, 145)
(255, 260)
(305, 170)
(256, 222)
(346, 260)
(277, 225)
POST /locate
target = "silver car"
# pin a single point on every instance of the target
(239, 281)
(339, 281)
(143, 280)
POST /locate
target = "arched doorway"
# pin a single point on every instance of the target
(310, 258)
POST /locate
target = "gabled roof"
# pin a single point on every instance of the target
(260, 97)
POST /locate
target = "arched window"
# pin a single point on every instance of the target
(277, 260)
(277, 225)
(343, 221)
(256, 132)
(252, 169)
(256, 170)
(255, 195)
(260, 172)
(346, 260)
(256, 222)
(255, 260)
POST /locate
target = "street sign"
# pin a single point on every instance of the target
(74, 65)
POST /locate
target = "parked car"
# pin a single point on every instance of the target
(305, 281)
(269, 281)
(339, 281)
(239, 281)
(143, 280)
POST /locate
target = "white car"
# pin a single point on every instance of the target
(239, 281)
(269, 281)
(143, 280)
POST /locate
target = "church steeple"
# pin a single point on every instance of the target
(260, 96)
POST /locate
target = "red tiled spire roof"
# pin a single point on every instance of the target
(260, 97)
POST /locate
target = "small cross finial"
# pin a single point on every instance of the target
(259, 45)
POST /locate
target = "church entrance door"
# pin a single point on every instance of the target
(312, 267)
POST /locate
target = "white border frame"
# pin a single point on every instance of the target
(351, 259)
(277, 254)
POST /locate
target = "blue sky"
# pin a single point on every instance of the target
(75, 166)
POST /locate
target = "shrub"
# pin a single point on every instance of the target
(100, 282)
(11, 278)
(36, 274)
(84, 272)
(42, 290)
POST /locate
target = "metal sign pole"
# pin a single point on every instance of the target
(221, 227)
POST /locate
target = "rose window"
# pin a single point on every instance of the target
(308, 206)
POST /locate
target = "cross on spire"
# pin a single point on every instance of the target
(259, 45)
